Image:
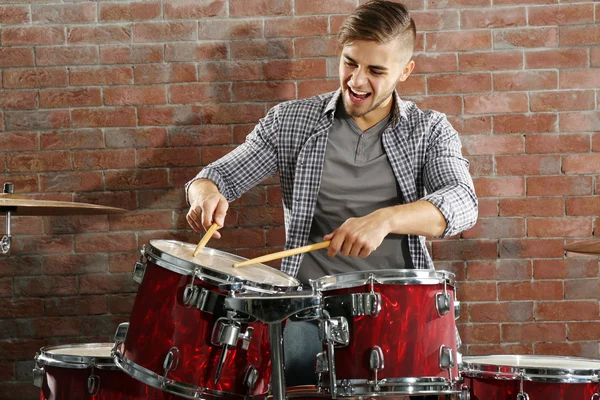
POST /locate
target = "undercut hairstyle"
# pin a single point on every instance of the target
(380, 21)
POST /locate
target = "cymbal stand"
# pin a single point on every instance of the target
(6, 239)
(273, 310)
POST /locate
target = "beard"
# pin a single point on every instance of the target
(377, 102)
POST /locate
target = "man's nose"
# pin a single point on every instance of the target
(359, 78)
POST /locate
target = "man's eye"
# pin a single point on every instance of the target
(376, 72)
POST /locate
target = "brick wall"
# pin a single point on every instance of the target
(119, 103)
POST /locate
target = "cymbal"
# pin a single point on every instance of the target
(585, 247)
(21, 205)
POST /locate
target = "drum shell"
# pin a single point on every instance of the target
(495, 389)
(160, 321)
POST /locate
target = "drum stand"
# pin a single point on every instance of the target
(6, 239)
(273, 310)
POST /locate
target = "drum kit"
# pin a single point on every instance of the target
(201, 329)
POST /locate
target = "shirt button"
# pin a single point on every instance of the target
(358, 151)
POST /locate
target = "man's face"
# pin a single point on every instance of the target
(369, 73)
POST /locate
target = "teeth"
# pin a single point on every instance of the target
(359, 93)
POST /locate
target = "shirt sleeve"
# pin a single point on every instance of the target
(447, 179)
(249, 163)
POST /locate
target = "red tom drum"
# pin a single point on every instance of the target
(181, 339)
(529, 377)
(388, 332)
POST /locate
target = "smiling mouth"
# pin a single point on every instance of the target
(358, 95)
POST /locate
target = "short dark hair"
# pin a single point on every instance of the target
(380, 21)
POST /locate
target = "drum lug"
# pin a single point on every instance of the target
(139, 268)
(522, 396)
(335, 330)
(250, 378)
(376, 362)
(321, 363)
(120, 335)
(171, 360)
(194, 296)
(366, 304)
(442, 303)
(456, 310)
(93, 384)
(38, 374)
(465, 393)
(446, 358)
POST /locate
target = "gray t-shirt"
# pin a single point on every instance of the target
(357, 180)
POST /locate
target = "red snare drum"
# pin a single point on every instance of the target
(181, 339)
(509, 377)
(388, 332)
(87, 371)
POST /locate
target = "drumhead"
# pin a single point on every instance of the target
(532, 367)
(383, 276)
(77, 355)
(216, 266)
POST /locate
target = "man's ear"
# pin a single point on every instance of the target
(407, 70)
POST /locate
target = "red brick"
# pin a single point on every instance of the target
(566, 310)
(580, 121)
(196, 51)
(294, 69)
(123, 262)
(581, 164)
(48, 327)
(525, 123)
(532, 207)
(477, 291)
(579, 35)
(121, 303)
(75, 264)
(47, 244)
(488, 208)
(35, 78)
(21, 308)
(71, 139)
(122, 199)
(481, 165)
(174, 157)
(90, 76)
(297, 26)
(170, 198)
(135, 138)
(562, 101)
(16, 57)
(556, 58)
(491, 144)
(79, 55)
(465, 250)
(436, 20)
(489, 349)
(525, 80)
(531, 248)
(199, 93)
(594, 56)
(129, 12)
(228, 71)
(20, 349)
(213, 153)
(103, 159)
(496, 103)
(579, 206)
(135, 95)
(38, 162)
(99, 34)
(164, 73)
(14, 15)
(467, 125)
(264, 91)
(105, 117)
(104, 242)
(459, 83)
(479, 333)
(496, 228)
(434, 63)
(534, 332)
(145, 220)
(71, 181)
(579, 78)
(582, 289)
(230, 29)
(307, 7)
(18, 99)
(584, 330)
(186, 136)
(596, 142)
(63, 14)
(75, 224)
(260, 216)
(500, 18)
(101, 324)
(33, 36)
(501, 312)
(503, 270)
(559, 227)
(177, 115)
(45, 286)
(565, 269)
(232, 113)
(259, 49)
(500, 187)
(136, 179)
(99, 284)
(24, 183)
(36, 120)
(571, 143)
(458, 41)
(177, 9)
(457, 3)
(311, 88)
(241, 131)
(26, 225)
(133, 54)
(164, 31)
(240, 238)
(6, 287)
(528, 165)
(529, 37)
(563, 14)
(64, 98)
(80, 305)
(451, 105)
(17, 266)
(490, 61)
(559, 185)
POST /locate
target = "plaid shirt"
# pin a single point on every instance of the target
(422, 147)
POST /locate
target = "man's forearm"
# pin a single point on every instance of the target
(418, 218)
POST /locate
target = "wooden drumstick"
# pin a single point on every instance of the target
(285, 253)
(213, 228)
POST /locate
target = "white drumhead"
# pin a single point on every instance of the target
(77, 356)
(222, 263)
(90, 350)
(534, 361)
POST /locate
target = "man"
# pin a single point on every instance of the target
(359, 166)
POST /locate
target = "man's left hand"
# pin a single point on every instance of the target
(358, 236)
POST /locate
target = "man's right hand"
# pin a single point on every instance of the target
(207, 205)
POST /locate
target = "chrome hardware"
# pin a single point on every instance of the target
(93, 384)
(595, 396)
(522, 396)
(456, 310)
(442, 301)
(446, 358)
(38, 375)
(231, 287)
(6, 240)
(194, 296)
(321, 363)
(250, 378)
(335, 330)
(121, 333)
(139, 268)
(376, 363)
(465, 393)
(226, 335)
(171, 361)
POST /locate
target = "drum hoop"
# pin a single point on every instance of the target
(534, 374)
(73, 361)
(211, 276)
(409, 385)
(383, 276)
